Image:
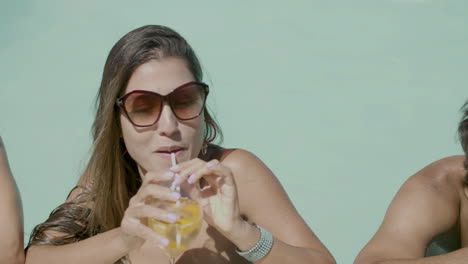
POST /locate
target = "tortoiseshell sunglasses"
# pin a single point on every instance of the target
(143, 108)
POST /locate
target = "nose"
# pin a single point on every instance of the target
(167, 124)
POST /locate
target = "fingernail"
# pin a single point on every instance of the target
(191, 179)
(175, 168)
(178, 179)
(168, 175)
(165, 242)
(210, 164)
(175, 196)
(172, 217)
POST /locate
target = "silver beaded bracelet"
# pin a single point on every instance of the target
(261, 249)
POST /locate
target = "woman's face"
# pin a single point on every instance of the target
(150, 146)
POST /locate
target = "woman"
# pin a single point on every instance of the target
(152, 104)
(11, 220)
(427, 221)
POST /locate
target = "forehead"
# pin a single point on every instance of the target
(160, 76)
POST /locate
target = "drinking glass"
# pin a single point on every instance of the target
(182, 232)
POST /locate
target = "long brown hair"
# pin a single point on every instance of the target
(111, 177)
(463, 135)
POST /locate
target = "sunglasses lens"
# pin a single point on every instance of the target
(143, 108)
(188, 102)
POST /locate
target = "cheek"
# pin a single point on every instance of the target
(138, 146)
(132, 140)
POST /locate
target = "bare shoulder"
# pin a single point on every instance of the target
(249, 170)
(250, 173)
(426, 205)
(442, 176)
(240, 159)
(437, 187)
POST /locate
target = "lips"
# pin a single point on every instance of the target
(170, 149)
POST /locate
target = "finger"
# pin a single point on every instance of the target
(152, 177)
(223, 171)
(150, 211)
(148, 234)
(219, 169)
(135, 227)
(206, 173)
(186, 164)
(213, 163)
(185, 169)
(219, 178)
(154, 191)
(189, 171)
(213, 168)
(202, 170)
(214, 180)
(206, 193)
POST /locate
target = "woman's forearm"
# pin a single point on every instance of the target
(247, 236)
(105, 248)
(285, 253)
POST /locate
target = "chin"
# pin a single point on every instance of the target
(161, 165)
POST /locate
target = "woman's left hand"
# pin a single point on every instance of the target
(218, 197)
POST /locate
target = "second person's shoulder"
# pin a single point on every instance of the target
(447, 170)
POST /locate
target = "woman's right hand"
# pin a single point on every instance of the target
(133, 230)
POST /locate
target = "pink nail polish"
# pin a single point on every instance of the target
(175, 196)
(191, 179)
(172, 217)
(210, 164)
(168, 175)
(178, 179)
(165, 242)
